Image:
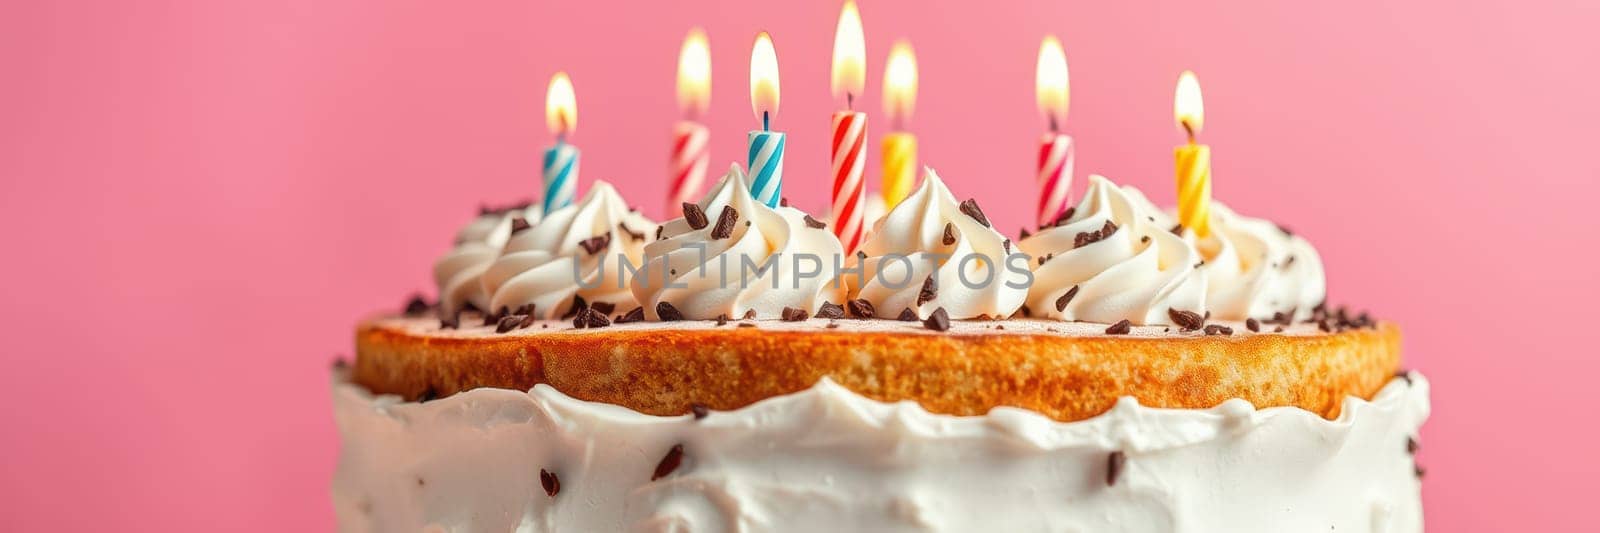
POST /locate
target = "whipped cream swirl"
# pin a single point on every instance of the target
(769, 260)
(931, 235)
(1255, 269)
(1116, 260)
(459, 272)
(577, 251)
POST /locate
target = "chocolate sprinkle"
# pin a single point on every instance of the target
(578, 305)
(746, 325)
(1411, 445)
(604, 308)
(1252, 325)
(860, 308)
(1061, 303)
(783, 201)
(814, 223)
(695, 216)
(699, 410)
(907, 315)
(518, 224)
(508, 323)
(830, 310)
(794, 314)
(1090, 237)
(1122, 327)
(1418, 470)
(1218, 329)
(1023, 234)
(722, 319)
(1007, 245)
(861, 255)
(669, 463)
(595, 244)
(416, 306)
(725, 222)
(1187, 320)
(636, 315)
(930, 290)
(551, 483)
(667, 313)
(949, 233)
(1114, 465)
(594, 318)
(1177, 229)
(450, 322)
(938, 321)
(659, 230)
(1144, 239)
(970, 208)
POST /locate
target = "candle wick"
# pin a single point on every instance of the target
(1188, 130)
(766, 121)
(850, 100)
(561, 138)
(1053, 126)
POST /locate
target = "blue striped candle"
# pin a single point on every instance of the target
(560, 176)
(766, 166)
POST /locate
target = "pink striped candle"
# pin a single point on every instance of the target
(849, 130)
(1055, 175)
(1055, 149)
(849, 189)
(691, 155)
(690, 149)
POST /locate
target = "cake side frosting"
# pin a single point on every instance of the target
(826, 459)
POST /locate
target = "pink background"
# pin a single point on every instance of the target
(200, 199)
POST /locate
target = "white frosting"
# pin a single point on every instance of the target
(1137, 273)
(1255, 269)
(764, 266)
(826, 459)
(907, 246)
(458, 274)
(546, 265)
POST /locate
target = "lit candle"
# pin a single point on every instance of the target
(561, 160)
(691, 151)
(1056, 153)
(900, 146)
(766, 146)
(1193, 159)
(849, 129)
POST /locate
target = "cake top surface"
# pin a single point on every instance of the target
(1114, 264)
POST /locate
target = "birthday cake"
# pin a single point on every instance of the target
(734, 369)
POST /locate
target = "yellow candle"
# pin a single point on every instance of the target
(1193, 159)
(899, 147)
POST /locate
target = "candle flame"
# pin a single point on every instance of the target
(900, 82)
(849, 53)
(694, 73)
(1051, 85)
(561, 105)
(764, 76)
(1187, 107)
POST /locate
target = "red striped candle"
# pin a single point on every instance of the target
(691, 155)
(1055, 175)
(849, 189)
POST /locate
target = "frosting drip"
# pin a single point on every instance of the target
(458, 274)
(770, 259)
(1136, 272)
(577, 251)
(974, 271)
(827, 459)
(1256, 269)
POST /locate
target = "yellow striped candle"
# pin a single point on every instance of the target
(1193, 160)
(899, 147)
